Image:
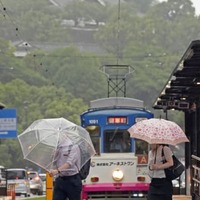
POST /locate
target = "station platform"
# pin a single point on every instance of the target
(182, 197)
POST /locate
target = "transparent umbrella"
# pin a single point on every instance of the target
(42, 139)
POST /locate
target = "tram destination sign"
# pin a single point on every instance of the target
(117, 120)
(8, 123)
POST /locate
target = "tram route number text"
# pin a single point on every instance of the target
(128, 163)
(93, 121)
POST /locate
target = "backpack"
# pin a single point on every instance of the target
(85, 169)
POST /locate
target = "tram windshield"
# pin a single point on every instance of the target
(117, 141)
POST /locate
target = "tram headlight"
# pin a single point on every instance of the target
(118, 175)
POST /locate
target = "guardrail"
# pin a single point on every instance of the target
(195, 179)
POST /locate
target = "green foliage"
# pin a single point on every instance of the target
(13, 13)
(174, 20)
(38, 26)
(142, 6)
(150, 37)
(76, 72)
(162, 25)
(115, 35)
(24, 6)
(83, 10)
(7, 60)
(152, 67)
(74, 11)
(34, 103)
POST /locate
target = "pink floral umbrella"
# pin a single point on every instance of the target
(158, 131)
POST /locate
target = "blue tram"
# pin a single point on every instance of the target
(119, 167)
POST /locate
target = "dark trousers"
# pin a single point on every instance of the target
(160, 189)
(159, 197)
(67, 187)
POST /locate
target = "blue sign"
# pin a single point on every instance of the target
(8, 123)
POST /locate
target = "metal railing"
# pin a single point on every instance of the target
(195, 177)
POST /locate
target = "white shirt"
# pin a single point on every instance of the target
(155, 157)
(71, 155)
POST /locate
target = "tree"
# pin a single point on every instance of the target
(153, 65)
(179, 22)
(115, 35)
(142, 6)
(173, 10)
(75, 11)
(76, 72)
(8, 61)
(38, 26)
(34, 103)
(12, 13)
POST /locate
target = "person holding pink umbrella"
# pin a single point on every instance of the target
(158, 133)
(160, 188)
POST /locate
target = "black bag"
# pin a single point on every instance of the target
(85, 169)
(174, 171)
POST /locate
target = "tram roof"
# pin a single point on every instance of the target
(116, 112)
(182, 89)
(119, 102)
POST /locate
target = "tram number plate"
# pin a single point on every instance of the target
(93, 121)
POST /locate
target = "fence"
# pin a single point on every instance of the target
(195, 180)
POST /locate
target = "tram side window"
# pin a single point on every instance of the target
(141, 147)
(94, 132)
(116, 141)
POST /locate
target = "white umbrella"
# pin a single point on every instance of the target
(41, 140)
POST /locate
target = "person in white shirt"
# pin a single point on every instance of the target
(160, 187)
(68, 183)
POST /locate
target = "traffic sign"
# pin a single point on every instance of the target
(8, 123)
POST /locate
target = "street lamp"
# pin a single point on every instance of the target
(26, 103)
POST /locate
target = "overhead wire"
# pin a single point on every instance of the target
(17, 34)
(5, 13)
(13, 22)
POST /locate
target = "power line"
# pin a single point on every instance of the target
(118, 31)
